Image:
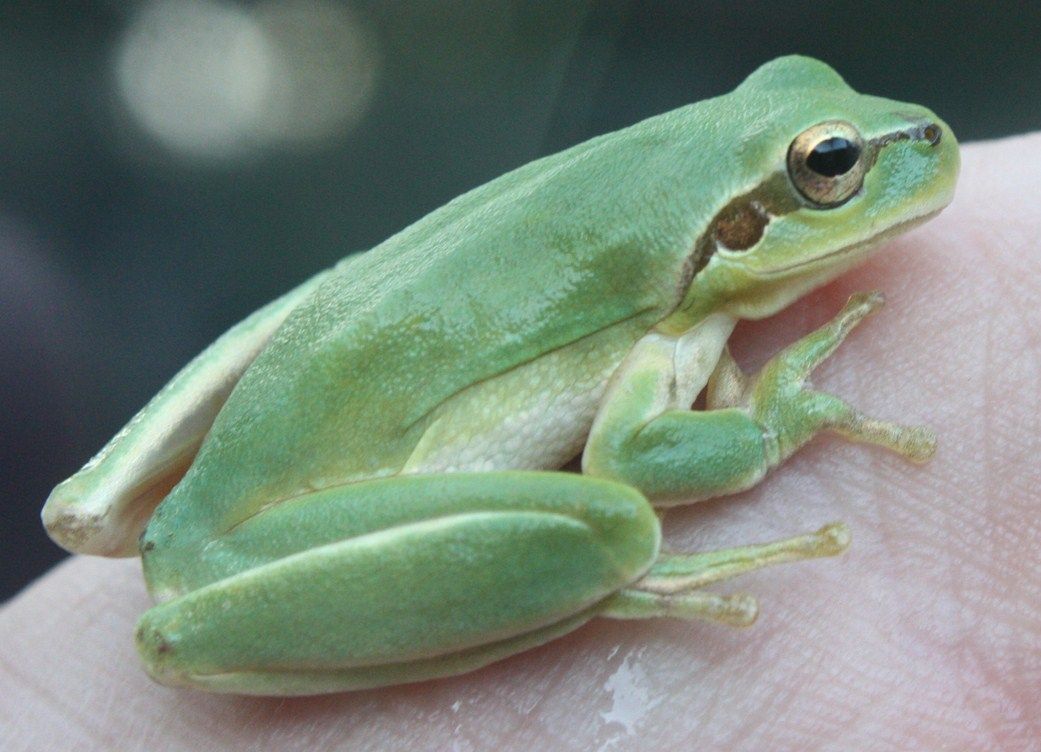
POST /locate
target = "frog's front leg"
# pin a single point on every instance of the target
(644, 437)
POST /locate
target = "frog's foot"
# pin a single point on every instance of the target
(673, 586)
(778, 399)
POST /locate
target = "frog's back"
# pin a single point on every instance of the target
(495, 319)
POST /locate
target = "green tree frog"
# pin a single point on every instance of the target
(360, 484)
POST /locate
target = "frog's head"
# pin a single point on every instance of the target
(819, 176)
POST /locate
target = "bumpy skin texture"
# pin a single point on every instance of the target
(927, 635)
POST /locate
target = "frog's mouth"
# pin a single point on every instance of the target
(853, 249)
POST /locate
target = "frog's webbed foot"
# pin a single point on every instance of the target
(778, 398)
(644, 436)
(673, 586)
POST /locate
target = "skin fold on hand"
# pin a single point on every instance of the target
(925, 635)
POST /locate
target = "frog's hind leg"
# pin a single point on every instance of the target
(394, 580)
(103, 508)
(673, 586)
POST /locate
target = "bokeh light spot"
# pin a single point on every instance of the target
(195, 74)
(326, 62)
(211, 78)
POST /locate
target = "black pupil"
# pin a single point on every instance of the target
(833, 156)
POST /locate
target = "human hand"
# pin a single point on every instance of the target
(925, 635)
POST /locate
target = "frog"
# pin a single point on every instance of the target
(367, 481)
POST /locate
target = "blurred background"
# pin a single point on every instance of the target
(168, 166)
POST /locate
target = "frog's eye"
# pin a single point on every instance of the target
(826, 163)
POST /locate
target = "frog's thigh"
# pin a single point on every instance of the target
(452, 572)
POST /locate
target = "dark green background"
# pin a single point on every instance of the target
(120, 261)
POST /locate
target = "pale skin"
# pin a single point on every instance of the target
(781, 670)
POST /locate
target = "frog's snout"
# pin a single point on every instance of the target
(935, 169)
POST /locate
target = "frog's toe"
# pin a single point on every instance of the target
(859, 306)
(673, 586)
(916, 443)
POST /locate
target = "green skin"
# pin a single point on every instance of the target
(357, 483)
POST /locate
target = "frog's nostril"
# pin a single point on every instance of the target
(932, 133)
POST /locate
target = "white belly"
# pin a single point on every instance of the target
(536, 416)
